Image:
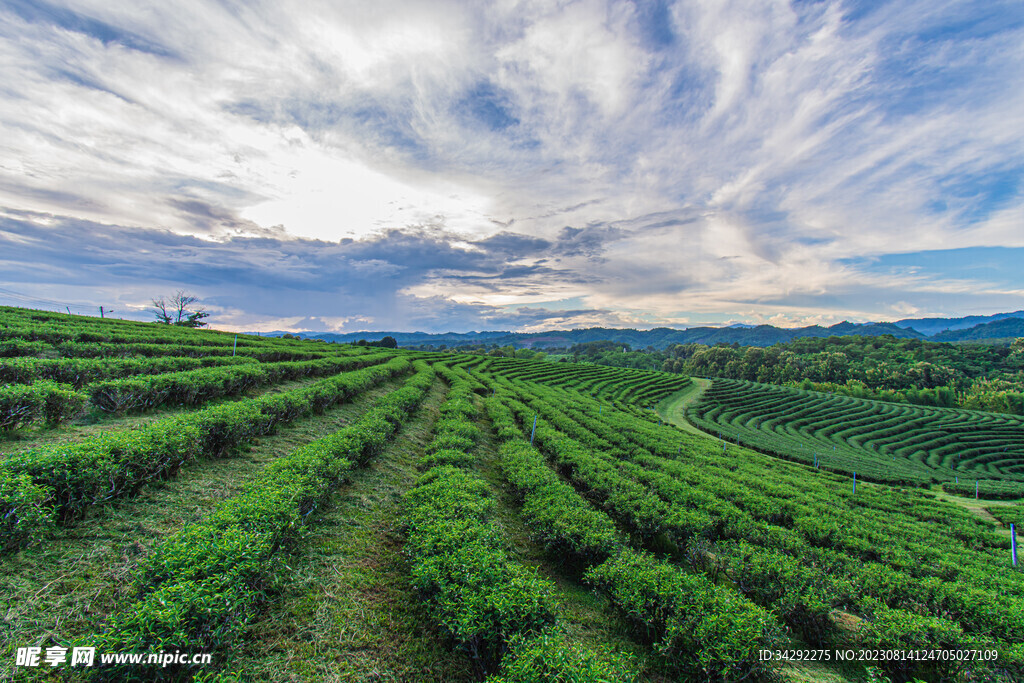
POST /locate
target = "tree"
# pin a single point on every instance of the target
(176, 311)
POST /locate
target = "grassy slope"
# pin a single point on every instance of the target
(347, 612)
(883, 441)
(977, 507)
(350, 613)
(672, 409)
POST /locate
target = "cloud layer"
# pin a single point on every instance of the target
(521, 164)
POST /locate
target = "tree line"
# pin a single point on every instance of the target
(974, 376)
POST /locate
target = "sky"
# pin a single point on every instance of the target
(513, 165)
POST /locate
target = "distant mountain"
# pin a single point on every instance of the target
(658, 338)
(1000, 329)
(933, 326)
(403, 338)
(970, 328)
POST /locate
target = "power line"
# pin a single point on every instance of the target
(36, 301)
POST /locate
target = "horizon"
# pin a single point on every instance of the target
(328, 167)
(638, 329)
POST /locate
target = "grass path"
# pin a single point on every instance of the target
(348, 612)
(976, 506)
(672, 408)
(65, 587)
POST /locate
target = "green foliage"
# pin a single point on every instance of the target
(619, 384)
(1010, 514)
(977, 377)
(195, 387)
(478, 595)
(81, 371)
(989, 489)
(997, 395)
(704, 631)
(896, 629)
(385, 342)
(20, 405)
(703, 550)
(43, 401)
(552, 658)
(796, 543)
(27, 518)
(560, 519)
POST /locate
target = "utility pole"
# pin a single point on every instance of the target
(104, 312)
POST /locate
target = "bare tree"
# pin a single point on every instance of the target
(178, 310)
(162, 316)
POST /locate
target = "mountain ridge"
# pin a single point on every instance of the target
(998, 326)
(933, 326)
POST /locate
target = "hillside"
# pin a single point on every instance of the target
(1008, 328)
(293, 510)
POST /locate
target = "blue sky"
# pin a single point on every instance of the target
(515, 164)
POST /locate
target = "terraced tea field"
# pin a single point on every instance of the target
(318, 512)
(885, 442)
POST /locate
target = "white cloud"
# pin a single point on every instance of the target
(773, 139)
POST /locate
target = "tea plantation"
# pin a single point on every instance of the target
(303, 511)
(886, 442)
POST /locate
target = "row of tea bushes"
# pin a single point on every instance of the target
(199, 589)
(43, 402)
(49, 484)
